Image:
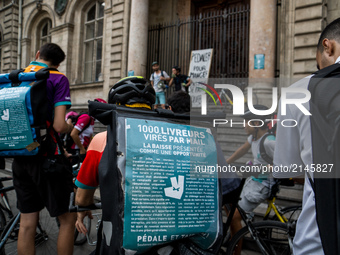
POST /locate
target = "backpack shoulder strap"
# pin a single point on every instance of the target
(263, 152)
(14, 76)
(162, 74)
(319, 97)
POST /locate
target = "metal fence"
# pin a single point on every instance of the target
(226, 31)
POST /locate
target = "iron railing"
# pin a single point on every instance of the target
(226, 31)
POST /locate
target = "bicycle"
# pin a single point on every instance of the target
(4, 203)
(264, 237)
(46, 234)
(87, 223)
(286, 214)
(79, 238)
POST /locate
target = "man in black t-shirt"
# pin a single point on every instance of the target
(179, 79)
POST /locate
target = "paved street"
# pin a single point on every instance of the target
(49, 225)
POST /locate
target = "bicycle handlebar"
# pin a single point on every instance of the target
(77, 208)
(3, 179)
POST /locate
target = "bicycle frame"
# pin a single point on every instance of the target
(272, 206)
(14, 222)
(247, 221)
(89, 239)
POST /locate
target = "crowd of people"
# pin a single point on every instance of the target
(37, 189)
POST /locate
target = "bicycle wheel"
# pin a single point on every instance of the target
(79, 238)
(47, 234)
(270, 237)
(45, 239)
(291, 213)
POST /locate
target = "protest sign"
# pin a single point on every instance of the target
(199, 70)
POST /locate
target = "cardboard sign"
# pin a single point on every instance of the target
(199, 70)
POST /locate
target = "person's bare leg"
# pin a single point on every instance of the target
(27, 230)
(235, 226)
(66, 233)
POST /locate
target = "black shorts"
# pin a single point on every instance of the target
(37, 188)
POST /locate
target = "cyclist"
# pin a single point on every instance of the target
(299, 146)
(138, 95)
(36, 188)
(255, 190)
(82, 132)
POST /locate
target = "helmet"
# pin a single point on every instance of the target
(70, 114)
(132, 89)
(248, 115)
(100, 100)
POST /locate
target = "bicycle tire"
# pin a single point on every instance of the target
(45, 239)
(273, 236)
(291, 213)
(79, 238)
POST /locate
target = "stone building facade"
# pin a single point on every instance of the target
(103, 39)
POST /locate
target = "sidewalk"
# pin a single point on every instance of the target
(49, 247)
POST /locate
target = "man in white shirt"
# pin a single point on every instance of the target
(158, 79)
(294, 145)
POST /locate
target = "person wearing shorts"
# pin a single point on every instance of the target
(157, 79)
(45, 180)
(256, 189)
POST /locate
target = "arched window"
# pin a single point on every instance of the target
(44, 33)
(93, 42)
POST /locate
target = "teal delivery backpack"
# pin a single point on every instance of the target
(23, 112)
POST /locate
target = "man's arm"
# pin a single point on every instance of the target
(84, 197)
(241, 151)
(59, 123)
(171, 82)
(166, 77)
(288, 147)
(151, 80)
(189, 82)
(75, 136)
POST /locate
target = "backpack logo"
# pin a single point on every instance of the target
(177, 188)
(5, 117)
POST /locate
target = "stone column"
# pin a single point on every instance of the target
(262, 40)
(138, 36)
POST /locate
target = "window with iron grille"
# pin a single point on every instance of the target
(44, 32)
(93, 42)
